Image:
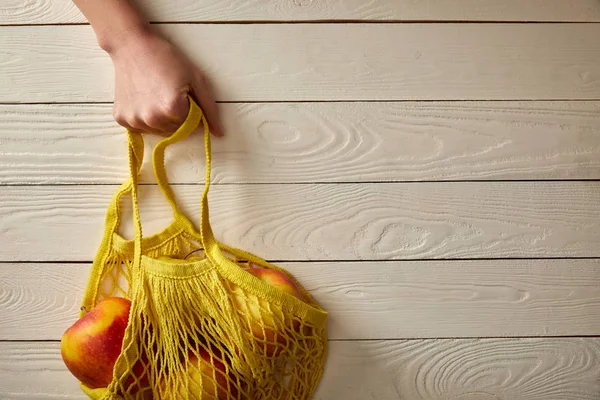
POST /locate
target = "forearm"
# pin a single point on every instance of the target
(113, 21)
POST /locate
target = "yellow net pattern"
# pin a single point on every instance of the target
(200, 326)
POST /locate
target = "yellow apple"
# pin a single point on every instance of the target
(91, 346)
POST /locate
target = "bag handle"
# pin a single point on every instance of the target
(112, 221)
(136, 146)
(136, 142)
(190, 124)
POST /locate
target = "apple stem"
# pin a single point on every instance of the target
(84, 309)
(185, 258)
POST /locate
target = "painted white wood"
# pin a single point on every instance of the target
(496, 369)
(255, 62)
(63, 11)
(337, 142)
(367, 300)
(325, 222)
(317, 142)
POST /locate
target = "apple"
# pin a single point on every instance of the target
(91, 346)
(272, 341)
(206, 379)
(277, 279)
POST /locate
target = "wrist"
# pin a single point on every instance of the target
(113, 40)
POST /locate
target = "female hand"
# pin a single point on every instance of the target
(152, 82)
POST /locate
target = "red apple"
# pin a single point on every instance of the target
(206, 379)
(91, 346)
(267, 332)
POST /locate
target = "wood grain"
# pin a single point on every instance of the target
(325, 62)
(325, 222)
(64, 11)
(317, 142)
(367, 300)
(497, 369)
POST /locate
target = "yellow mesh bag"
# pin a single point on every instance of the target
(200, 327)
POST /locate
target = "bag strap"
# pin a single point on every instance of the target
(211, 246)
(158, 154)
(112, 221)
(136, 146)
(136, 143)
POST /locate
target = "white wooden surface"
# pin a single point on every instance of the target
(324, 222)
(486, 369)
(325, 62)
(318, 142)
(367, 300)
(438, 287)
(63, 11)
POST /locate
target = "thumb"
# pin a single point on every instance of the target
(203, 95)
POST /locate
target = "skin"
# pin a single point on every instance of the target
(152, 77)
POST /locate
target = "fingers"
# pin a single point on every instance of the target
(130, 123)
(165, 116)
(139, 125)
(161, 118)
(172, 114)
(203, 94)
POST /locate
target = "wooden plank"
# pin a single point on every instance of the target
(64, 11)
(325, 62)
(325, 222)
(317, 142)
(497, 369)
(367, 300)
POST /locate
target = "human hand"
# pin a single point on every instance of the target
(152, 82)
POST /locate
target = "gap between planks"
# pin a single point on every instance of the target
(408, 339)
(321, 22)
(366, 261)
(308, 183)
(318, 101)
(453, 338)
(63, 11)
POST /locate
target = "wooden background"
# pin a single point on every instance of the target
(429, 170)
